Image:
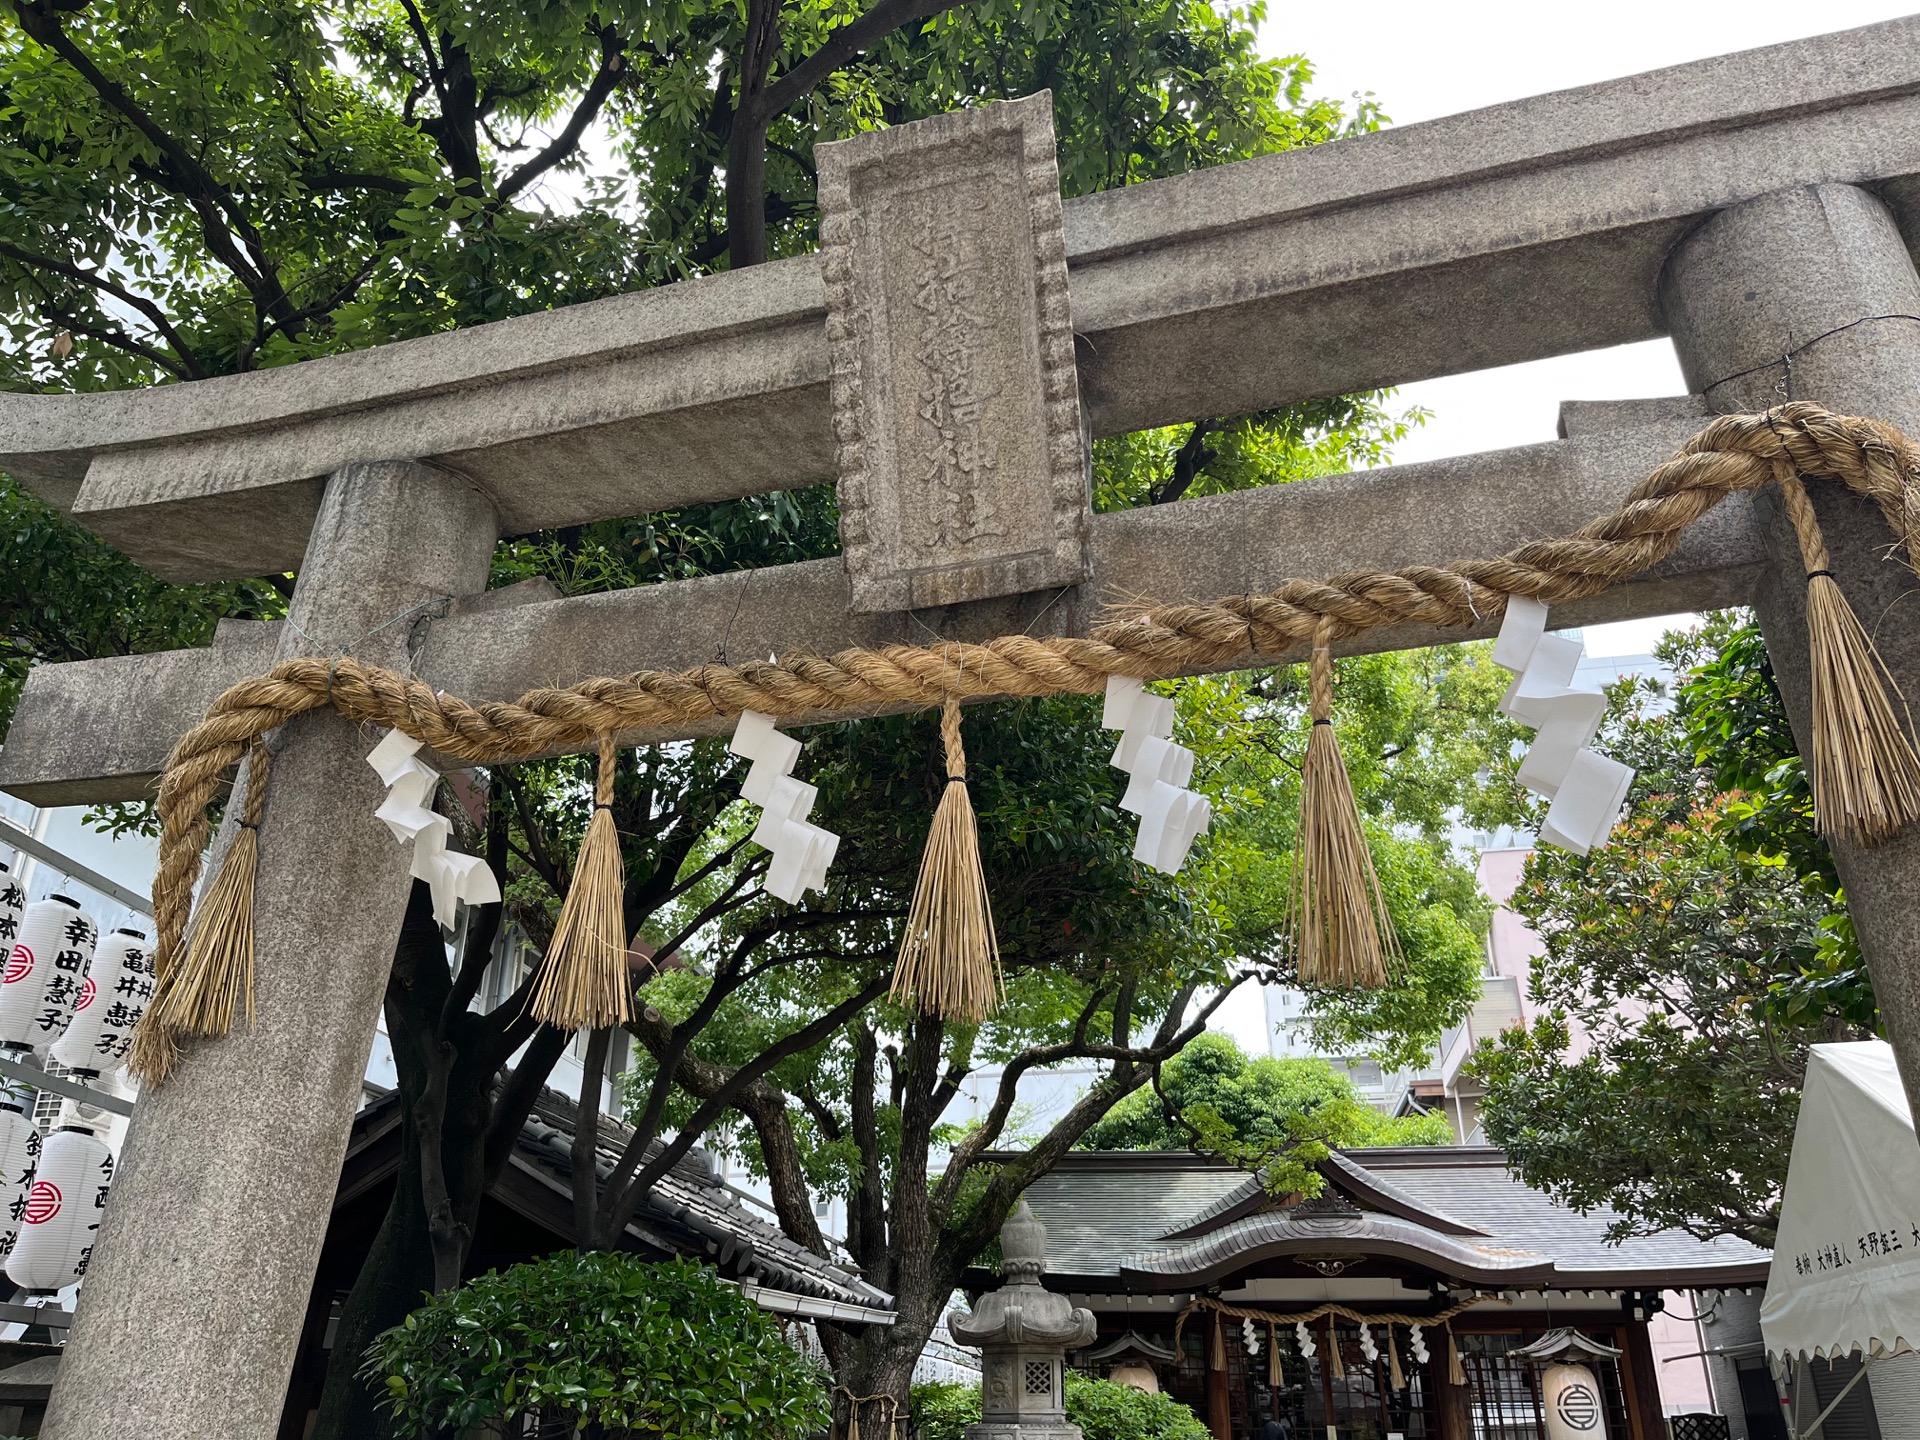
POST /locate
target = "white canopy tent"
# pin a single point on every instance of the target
(1846, 1263)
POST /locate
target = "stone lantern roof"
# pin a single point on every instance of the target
(1022, 1311)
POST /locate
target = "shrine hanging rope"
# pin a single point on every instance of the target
(1320, 1312)
(1733, 454)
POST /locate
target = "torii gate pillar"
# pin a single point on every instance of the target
(1756, 299)
(195, 1293)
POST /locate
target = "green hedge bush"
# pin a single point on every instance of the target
(615, 1345)
(1102, 1409)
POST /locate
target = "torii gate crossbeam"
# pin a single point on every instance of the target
(1751, 206)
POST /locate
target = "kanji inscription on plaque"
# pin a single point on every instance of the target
(956, 400)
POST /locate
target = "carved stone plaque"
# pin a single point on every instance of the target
(956, 402)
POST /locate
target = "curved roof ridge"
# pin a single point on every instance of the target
(1363, 1184)
(1281, 1233)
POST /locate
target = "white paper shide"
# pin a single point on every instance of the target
(802, 851)
(451, 876)
(1587, 789)
(1172, 817)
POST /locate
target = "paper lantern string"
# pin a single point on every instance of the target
(801, 850)
(1172, 816)
(450, 875)
(1587, 789)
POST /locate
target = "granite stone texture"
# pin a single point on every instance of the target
(188, 1322)
(1524, 230)
(1777, 300)
(956, 406)
(85, 735)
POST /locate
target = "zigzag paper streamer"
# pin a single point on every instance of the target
(802, 851)
(1587, 789)
(451, 876)
(1172, 816)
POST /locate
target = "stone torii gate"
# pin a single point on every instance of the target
(1757, 208)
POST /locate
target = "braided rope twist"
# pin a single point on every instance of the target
(1732, 454)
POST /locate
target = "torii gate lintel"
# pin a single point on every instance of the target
(1532, 229)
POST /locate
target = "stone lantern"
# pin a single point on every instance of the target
(1024, 1332)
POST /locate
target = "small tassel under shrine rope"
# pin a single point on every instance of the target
(1333, 1351)
(587, 985)
(949, 957)
(1276, 1375)
(1456, 1372)
(1866, 776)
(1342, 932)
(1217, 1358)
(1395, 1375)
(198, 994)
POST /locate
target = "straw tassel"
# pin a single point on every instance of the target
(197, 995)
(949, 957)
(1456, 1373)
(1395, 1375)
(1343, 934)
(1333, 1351)
(1218, 1359)
(1866, 776)
(1276, 1373)
(586, 985)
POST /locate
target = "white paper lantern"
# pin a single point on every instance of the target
(19, 1157)
(1570, 1396)
(45, 973)
(118, 987)
(63, 1210)
(13, 904)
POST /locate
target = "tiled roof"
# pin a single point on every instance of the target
(1097, 1212)
(1473, 1183)
(690, 1210)
(1161, 1219)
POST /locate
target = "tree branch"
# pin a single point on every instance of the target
(604, 83)
(586, 1140)
(224, 223)
(842, 46)
(186, 363)
(618, 1214)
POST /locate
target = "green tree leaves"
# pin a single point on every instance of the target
(666, 1350)
(1102, 1410)
(1687, 965)
(1276, 1117)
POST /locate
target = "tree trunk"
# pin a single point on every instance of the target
(397, 1274)
(746, 192)
(874, 1386)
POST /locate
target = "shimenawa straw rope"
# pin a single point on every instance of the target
(1866, 777)
(198, 995)
(949, 956)
(1342, 932)
(1732, 454)
(586, 985)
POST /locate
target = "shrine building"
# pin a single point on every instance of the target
(1192, 1269)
